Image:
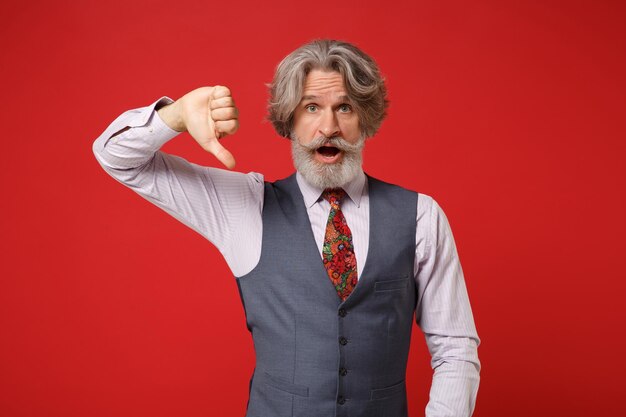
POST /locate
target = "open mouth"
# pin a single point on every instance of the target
(327, 151)
(328, 154)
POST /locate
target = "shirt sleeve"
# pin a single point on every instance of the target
(444, 314)
(221, 205)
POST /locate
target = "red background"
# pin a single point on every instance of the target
(510, 113)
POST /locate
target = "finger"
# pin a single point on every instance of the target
(220, 91)
(226, 127)
(221, 153)
(224, 113)
(222, 102)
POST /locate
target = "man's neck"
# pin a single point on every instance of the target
(354, 188)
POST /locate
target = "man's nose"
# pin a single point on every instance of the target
(329, 126)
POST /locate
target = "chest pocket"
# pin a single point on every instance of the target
(392, 285)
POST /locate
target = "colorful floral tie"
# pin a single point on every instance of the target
(338, 251)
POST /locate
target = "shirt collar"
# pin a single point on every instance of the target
(312, 194)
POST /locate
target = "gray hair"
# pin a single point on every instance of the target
(361, 76)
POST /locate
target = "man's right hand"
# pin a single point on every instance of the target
(208, 114)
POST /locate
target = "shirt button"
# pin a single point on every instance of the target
(342, 312)
(343, 371)
(343, 341)
(341, 400)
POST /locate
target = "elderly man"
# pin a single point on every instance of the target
(332, 265)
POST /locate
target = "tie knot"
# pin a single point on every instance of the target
(334, 195)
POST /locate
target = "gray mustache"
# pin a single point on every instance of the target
(336, 141)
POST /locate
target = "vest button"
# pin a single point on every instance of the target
(343, 371)
(341, 400)
(342, 312)
(343, 341)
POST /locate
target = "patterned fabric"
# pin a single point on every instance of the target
(338, 251)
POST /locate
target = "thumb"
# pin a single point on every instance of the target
(221, 153)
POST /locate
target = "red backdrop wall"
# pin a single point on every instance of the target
(510, 113)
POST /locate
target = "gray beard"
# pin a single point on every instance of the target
(323, 175)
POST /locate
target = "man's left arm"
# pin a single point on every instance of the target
(445, 316)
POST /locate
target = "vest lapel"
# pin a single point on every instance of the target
(292, 204)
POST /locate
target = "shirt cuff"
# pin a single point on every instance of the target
(156, 131)
(142, 123)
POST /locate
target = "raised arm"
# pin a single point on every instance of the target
(217, 203)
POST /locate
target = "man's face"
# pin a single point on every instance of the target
(326, 136)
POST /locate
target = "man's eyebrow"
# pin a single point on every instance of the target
(342, 98)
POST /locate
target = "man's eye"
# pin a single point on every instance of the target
(345, 108)
(311, 108)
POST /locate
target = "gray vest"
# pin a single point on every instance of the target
(315, 355)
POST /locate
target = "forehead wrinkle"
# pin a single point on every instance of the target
(322, 85)
(321, 82)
